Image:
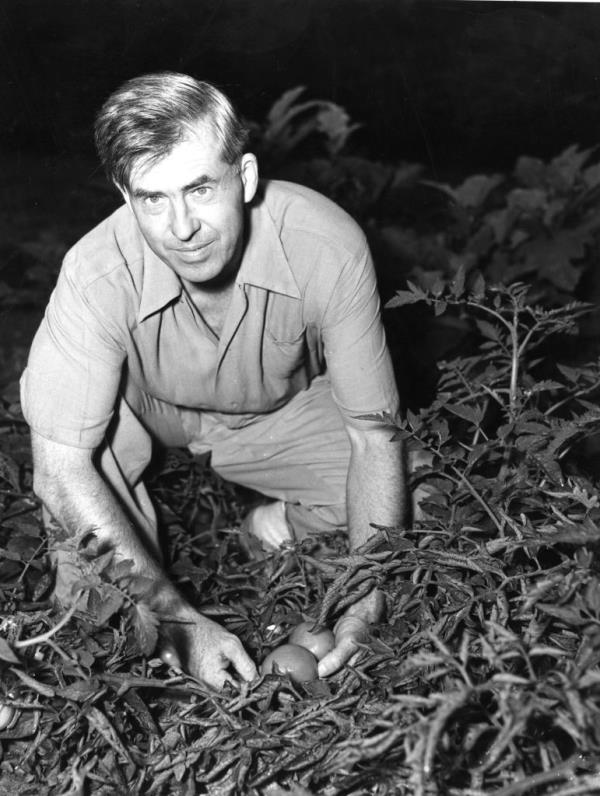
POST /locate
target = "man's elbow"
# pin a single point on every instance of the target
(373, 437)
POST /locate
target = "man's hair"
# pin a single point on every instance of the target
(148, 115)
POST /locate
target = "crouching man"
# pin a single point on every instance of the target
(224, 314)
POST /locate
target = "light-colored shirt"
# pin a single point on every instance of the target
(305, 302)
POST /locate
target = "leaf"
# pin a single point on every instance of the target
(279, 110)
(528, 200)
(9, 471)
(6, 652)
(571, 616)
(478, 287)
(401, 298)
(474, 190)
(145, 626)
(591, 176)
(107, 606)
(501, 222)
(466, 412)
(490, 331)
(552, 257)
(80, 690)
(564, 169)
(530, 172)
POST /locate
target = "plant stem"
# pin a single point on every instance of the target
(514, 370)
(29, 642)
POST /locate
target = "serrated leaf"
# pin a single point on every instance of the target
(488, 330)
(466, 412)
(145, 627)
(401, 298)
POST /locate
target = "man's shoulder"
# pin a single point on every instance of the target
(113, 245)
(299, 211)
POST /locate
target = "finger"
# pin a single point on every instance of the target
(338, 656)
(351, 627)
(243, 664)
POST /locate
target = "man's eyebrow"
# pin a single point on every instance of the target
(199, 181)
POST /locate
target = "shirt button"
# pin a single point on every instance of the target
(234, 404)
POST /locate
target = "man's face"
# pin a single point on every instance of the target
(190, 208)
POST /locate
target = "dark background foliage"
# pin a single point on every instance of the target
(453, 85)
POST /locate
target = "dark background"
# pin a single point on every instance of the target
(457, 86)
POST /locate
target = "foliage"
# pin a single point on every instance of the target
(485, 676)
(538, 224)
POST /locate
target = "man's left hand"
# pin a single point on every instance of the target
(351, 630)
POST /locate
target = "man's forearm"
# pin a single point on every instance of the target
(82, 503)
(376, 486)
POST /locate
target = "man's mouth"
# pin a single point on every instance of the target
(195, 248)
(189, 252)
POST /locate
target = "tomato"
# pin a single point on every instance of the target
(320, 641)
(6, 716)
(293, 660)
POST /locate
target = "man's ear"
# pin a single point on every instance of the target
(249, 175)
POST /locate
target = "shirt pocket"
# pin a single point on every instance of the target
(283, 358)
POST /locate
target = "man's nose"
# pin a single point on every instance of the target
(183, 222)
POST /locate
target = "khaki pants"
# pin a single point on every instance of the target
(298, 454)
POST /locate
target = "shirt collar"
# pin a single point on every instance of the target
(160, 285)
(264, 265)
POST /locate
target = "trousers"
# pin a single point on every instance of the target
(298, 453)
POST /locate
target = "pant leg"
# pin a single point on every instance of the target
(299, 453)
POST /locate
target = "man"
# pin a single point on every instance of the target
(218, 313)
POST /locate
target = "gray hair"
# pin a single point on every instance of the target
(148, 115)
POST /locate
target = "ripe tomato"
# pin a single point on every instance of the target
(320, 641)
(291, 659)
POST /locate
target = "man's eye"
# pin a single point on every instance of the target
(201, 190)
(153, 200)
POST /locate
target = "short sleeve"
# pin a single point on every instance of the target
(70, 385)
(358, 360)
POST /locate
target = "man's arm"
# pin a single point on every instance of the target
(72, 490)
(363, 383)
(376, 494)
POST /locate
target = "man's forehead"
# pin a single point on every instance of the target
(199, 150)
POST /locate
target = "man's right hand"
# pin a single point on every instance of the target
(204, 649)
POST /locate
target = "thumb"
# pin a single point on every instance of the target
(348, 631)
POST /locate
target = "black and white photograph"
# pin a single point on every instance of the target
(299, 398)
